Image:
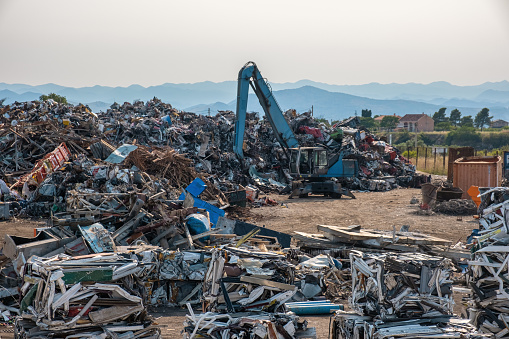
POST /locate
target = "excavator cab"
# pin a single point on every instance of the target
(314, 167)
(308, 161)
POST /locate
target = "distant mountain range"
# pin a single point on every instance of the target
(328, 101)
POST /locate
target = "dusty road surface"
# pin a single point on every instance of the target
(375, 210)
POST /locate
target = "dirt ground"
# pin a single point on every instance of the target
(374, 210)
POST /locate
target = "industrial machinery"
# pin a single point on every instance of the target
(249, 75)
(315, 169)
(312, 169)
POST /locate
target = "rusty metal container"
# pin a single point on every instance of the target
(478, 171)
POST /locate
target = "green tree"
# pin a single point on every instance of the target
(467, 121)
(366, 113)
(402, 137)
(482, 118)
(426, 139)
(463, 136)
(389, 122)
(455, 117)
(323, 120)
(58, 98)
(368, 122)
(440, 115)
(443, 126)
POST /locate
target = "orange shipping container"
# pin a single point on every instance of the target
(477, 171)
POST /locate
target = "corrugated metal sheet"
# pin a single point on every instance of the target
(477, 171)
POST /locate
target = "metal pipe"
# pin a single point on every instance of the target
(318, 308)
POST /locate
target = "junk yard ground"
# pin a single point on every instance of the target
(146, 222)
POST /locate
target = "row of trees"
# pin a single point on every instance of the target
(444, 123)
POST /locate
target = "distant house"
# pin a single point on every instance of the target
(416, 123)
(499, 123)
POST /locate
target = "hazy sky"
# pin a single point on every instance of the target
(119, 43)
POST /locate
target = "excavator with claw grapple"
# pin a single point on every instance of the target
(314, 170)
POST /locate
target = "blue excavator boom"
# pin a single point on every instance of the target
(250, 75)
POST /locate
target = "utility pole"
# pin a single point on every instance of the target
(416, 131)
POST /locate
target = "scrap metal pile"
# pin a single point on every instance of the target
(346, 238)
(401, 286)
(348, 325)
(488, 269)
(108, 249)
(252, 287)
(136, 199)
(401, 295)
(81, 281)
(442, 197)
(87, 283)
(247, 292)
(92, 296)
(28, 131)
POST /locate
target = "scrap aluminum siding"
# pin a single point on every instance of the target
(119, 155)
(98, 238)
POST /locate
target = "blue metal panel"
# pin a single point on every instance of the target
(196, 187)
(343, 168)
(214, 212)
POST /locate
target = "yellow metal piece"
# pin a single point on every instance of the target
(246, 237)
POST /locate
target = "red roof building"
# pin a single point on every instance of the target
(417, 123)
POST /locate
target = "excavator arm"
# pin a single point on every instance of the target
(249, 75)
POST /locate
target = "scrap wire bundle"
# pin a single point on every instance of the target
(405, 286)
